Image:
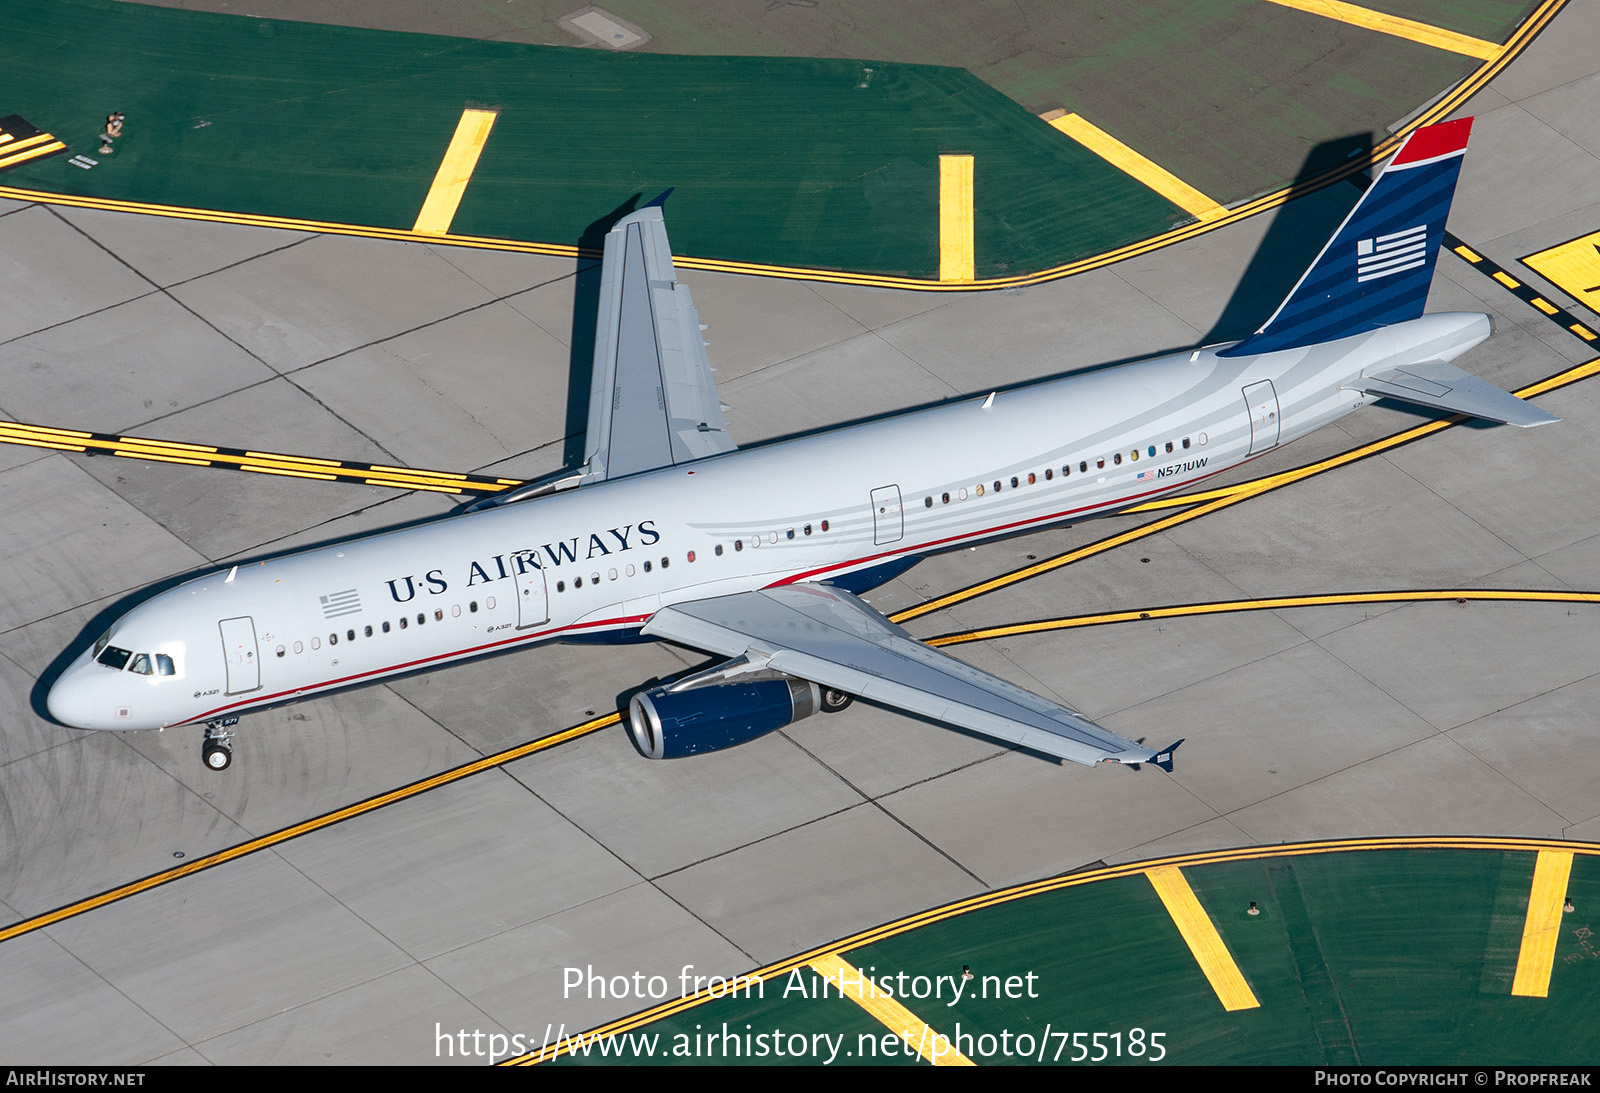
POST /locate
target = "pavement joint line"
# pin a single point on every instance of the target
(1384, 23)
(1497, 843)
(305, 827)
(838, 972)
(957, 261)
(1440, 110)
(1136, 165)
(1220, 607)
(1542, 928)
(1200, 934)
(455, 171)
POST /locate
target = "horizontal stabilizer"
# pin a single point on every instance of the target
(1442, 386)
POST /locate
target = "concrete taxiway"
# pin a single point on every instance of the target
(460, 907)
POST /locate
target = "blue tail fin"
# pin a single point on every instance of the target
(1377, 267)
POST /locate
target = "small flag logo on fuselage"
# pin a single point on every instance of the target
(1391, 254)
(347, 602)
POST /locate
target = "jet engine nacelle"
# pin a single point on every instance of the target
(668, 724)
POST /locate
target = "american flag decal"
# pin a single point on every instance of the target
(335, 604)
(1390, 254)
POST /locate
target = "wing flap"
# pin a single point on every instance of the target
(652, 402)
(832, 638)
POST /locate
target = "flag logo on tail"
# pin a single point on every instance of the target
(1390, 254)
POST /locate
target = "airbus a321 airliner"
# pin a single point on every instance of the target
(668, 531)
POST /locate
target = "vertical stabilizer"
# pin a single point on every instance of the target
(1376, 269)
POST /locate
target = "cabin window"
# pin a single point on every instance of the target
(316, 643)
(594, 578)
(808, 529)
(455, 610)
(978, 489)
(473, 607)
(1134, 455)
(1116, 459)
(1083, 466)
(561, 586)
(1049, 473)
(944, 498)
(333, 639)
(1100, 464)
(438, 613)
(772, 537)
(350, 635)
(368, 631)
(1185, 442)
(790, 533)
(996, 485)
(1169, 445)
(824, 525)
(718, 553)
(691, 555)
(402, 622)
(282, 650)
(422, 617)
(665, 562)
(489, 603)
(738, 544)
(165, 667)
(386, 626)
(1031, 478)
(647, 567)
(298, 648)
(577, 582)
(1152, 451)
(963, 494)
(1014, 482)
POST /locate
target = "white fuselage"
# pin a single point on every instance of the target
(600, 560)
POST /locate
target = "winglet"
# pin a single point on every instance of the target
(660, 200)
(1163, 758)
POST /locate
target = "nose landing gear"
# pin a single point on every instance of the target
(217, 751)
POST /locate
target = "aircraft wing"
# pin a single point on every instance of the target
(652, 402)
(832, 638)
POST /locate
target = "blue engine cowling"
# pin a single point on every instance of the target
(667, 724)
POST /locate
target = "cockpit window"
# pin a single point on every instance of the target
(114, 658)
(105, 640)
(141, 664)
(164, 665)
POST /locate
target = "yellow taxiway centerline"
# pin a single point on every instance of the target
(1542, 928)
(316, 823)
(1134, 164)
(957, 258)
(1202, 938)
(455, 171)
(854, 985)
(1408, 29)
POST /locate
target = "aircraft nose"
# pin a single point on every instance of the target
(68, 702)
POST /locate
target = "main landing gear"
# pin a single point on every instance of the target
(218, 748)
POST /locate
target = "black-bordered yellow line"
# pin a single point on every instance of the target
(1200, 934)
(1519, 40)
(1073, 880)
(294, 466)
(23, 142)
(1277, 603)
(1203, 504)
(305, 827)
(1559, 315)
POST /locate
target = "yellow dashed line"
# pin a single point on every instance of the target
(1582, 331)
(957, 261)
(1543, 925)
(450, 183)
(1544, 305)
(1507, 280)
(1469, 254)
(1384, 23)
(1202, 938)
(854, 985)
(1130, 162)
